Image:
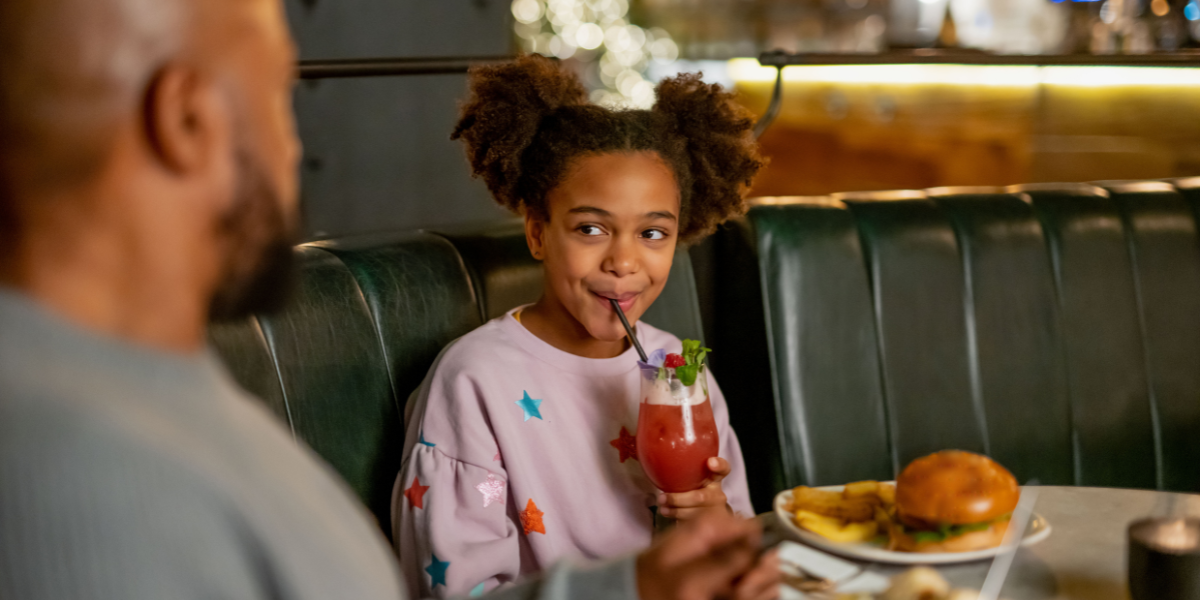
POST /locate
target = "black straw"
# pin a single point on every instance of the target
(629, 330)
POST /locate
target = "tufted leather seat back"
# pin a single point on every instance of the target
(1054, 327)
(368, 318)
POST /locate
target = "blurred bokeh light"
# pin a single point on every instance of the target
(612, 53)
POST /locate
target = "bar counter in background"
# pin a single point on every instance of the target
(868, 127)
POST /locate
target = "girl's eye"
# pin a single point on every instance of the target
(590, 230)
(654, 234)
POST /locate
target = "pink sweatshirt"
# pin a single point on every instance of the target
(518, 455)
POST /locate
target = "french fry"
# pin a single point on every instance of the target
(834, 504)
(887, 493)
(836, 529)
(819, 501)
(807, 495)
(861, 489)
(882, 516)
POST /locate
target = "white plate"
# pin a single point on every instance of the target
(1038, 530)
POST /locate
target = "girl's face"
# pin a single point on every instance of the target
(611, 233)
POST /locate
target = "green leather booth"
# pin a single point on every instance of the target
(367, 320)
(1055, 327)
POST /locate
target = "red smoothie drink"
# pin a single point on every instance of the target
(674, 443)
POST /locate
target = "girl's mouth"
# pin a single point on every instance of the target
(626, 300)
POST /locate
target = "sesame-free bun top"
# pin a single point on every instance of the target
(956, 488)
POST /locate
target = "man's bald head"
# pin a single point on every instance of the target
(70, 69)
(168, 120)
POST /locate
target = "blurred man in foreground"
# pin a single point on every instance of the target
(147, 183)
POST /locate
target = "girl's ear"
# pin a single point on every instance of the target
(535, 230)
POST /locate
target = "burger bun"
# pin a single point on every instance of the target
(956, 488)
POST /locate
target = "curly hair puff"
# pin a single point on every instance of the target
(526, 121)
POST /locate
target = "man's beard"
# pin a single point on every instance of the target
(259, 265)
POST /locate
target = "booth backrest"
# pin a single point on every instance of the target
(1053, 327)
(368, 318)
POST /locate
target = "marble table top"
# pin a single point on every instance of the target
(1084, 557)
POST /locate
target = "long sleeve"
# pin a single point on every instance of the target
(456, 529)
(737, 491)
(95, 518)
(456, 534)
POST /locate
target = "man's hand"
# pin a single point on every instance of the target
(713, 557)
(686, 506)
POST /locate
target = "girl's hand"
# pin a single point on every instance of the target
(686, 506)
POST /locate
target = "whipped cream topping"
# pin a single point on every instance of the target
(672, 392)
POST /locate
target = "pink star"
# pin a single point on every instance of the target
(496, 457)
(492, 490)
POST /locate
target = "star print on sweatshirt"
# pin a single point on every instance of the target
(528, 455)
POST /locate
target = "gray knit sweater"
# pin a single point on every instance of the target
(129, 474)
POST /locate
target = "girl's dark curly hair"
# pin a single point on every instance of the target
(527, 120)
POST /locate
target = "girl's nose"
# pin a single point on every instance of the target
(622, 258)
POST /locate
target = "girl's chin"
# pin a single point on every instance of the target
(604, 325)
(606, 333)
(606, 329)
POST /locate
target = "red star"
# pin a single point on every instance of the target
(531, 519)
(626, 445)
(416, 493)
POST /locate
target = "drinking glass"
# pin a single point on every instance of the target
(1164, 559)
(676, 432)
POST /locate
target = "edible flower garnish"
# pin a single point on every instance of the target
(686, 365)
(651, 368)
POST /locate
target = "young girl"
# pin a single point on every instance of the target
(520, 448)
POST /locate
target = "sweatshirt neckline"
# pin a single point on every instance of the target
(621, 364)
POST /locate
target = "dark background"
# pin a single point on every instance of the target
(377, 153)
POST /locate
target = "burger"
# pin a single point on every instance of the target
(952, 501)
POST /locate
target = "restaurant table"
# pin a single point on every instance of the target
(1084, 557)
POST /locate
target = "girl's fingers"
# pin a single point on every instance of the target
(709, 495)
(687, 514)
(684, 514)
(683, 499)
(719, 467)
(718, 470)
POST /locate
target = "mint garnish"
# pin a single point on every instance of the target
(693, 356)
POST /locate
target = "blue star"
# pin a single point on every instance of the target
(476, 591)
(530, 406)
(425, 442)
(437, 571)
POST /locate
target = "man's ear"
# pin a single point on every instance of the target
(187, 121)
(535, 231)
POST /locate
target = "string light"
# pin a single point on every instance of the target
(598, 33)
